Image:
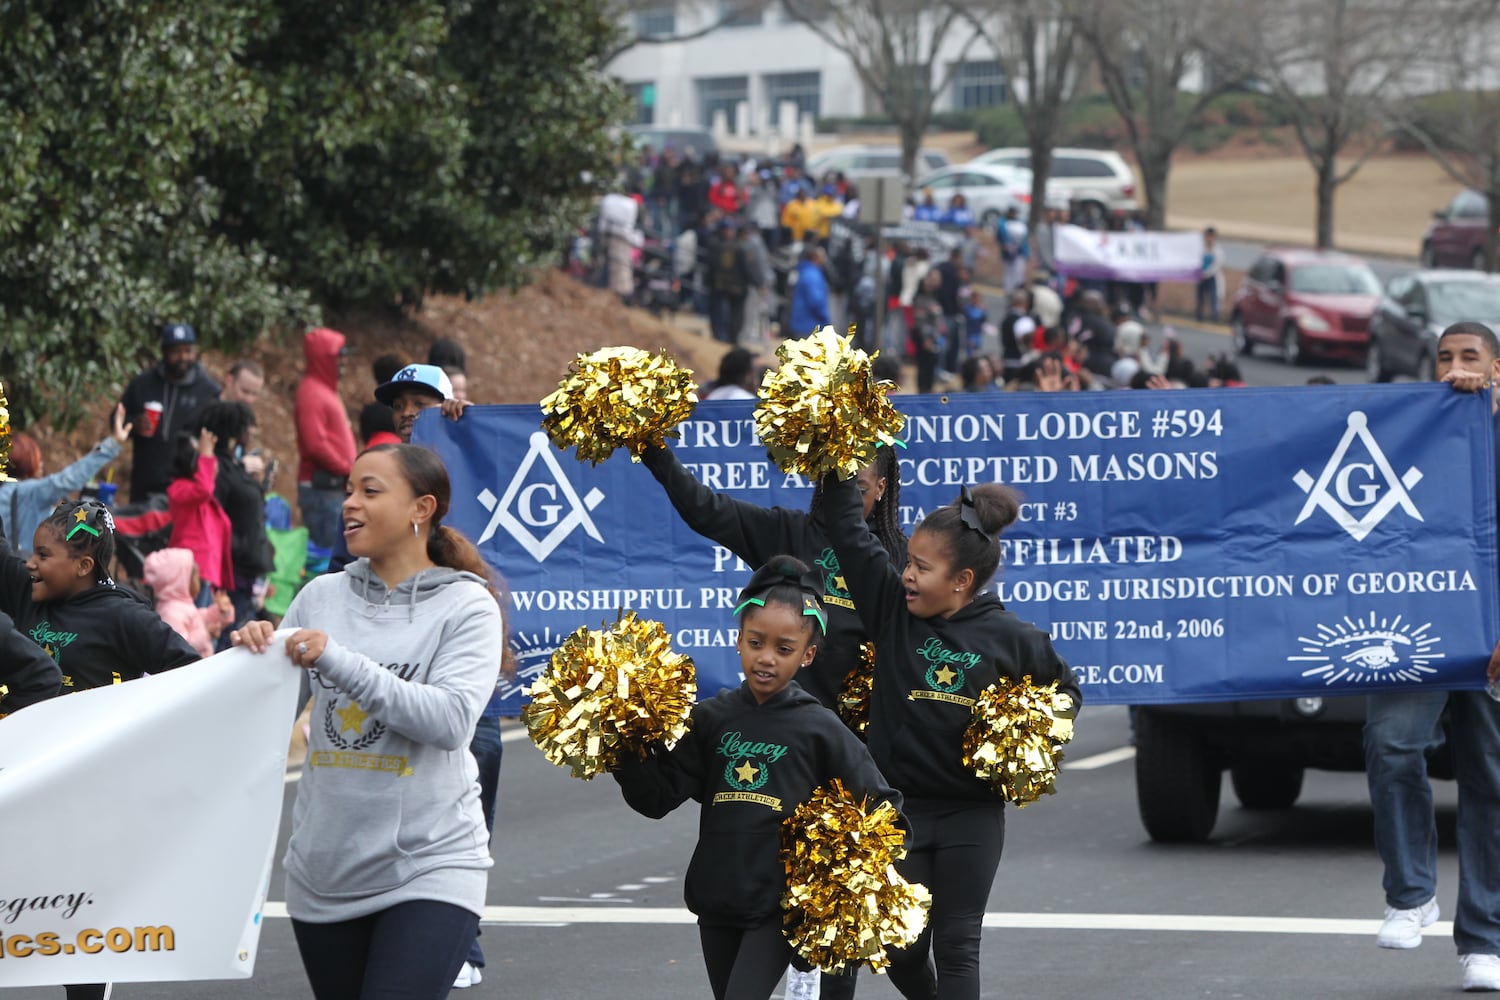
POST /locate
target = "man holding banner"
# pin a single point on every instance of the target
(1401, 726)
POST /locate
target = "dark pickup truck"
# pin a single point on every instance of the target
(1182, 752)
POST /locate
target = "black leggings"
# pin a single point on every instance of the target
(955, 852)
(745, 963)
(411, 951)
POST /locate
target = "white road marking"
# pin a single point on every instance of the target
(553, 916)
(630, 887)
(1099, 760)
(567, 899)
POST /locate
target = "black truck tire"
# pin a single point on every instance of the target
(1177, 783)
(1267, 786)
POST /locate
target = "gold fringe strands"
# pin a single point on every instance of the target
(1014, 741)
(822, 410)
(610, 692)
(618, 397)
(4, 436)
(845, 901)
(854, 695)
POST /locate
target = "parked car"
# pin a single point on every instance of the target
(1417, 307)
(1098, 181)
(988, 190)
(1306, 302)
(1456, 235)
(1182, 752)
(681, 138)
(867, 159)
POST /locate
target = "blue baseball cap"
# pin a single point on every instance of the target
(429, 378)
(173, 334)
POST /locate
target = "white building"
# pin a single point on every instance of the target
(762, 63)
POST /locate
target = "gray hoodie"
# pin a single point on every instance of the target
(388, 807)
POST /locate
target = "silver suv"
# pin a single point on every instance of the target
(1098, 181)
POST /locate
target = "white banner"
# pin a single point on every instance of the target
(1128, 256)
(137, 824)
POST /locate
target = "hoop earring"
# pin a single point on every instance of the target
(414, 533)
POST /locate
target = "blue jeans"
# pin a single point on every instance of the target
(487, 749)
(1207, 305)
(1398, 730)
(322, 514)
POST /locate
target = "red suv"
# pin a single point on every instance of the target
(1455, 236)
(1306, 302)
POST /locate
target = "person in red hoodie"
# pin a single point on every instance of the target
(199, 523)
(726, 194)
(325, 439)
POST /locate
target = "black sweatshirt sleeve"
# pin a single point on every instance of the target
(152, 645)
(873, 582)
(27, 675)
(15, 581)
(667, 778)
(753, 533)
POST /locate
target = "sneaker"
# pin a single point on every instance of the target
(468, 975)
(1481, 973)
(802, 985)
(1403, 928)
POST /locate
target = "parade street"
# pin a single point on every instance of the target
(585, 898)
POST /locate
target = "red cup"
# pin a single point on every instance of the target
(151, 419)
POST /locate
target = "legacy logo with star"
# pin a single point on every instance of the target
(947, 667)
(350, 719)
(835, 587)
(748, 769)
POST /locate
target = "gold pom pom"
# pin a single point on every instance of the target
(4, 436)
(1015, 737)
(618, 397)
(845, 900)
(822, 410)
(610, 692)
(854, 696)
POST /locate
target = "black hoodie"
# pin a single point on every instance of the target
(750, 766)
(103, 636)
(755, 534)
(27, 676)
(928, 671)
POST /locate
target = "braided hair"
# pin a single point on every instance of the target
(885, 516)
(788, 581)
(86, 528)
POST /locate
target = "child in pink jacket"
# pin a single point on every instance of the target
(173, 578)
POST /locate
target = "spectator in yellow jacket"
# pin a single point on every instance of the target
(829, 206)
(800, 216)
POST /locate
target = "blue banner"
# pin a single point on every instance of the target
(1179, 546)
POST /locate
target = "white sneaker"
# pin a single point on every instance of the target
(468, 975)
(803, 985)
(1403, 928)
(1481, 973)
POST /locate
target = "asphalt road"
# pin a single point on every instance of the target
(585, 899)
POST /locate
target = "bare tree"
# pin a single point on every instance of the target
(1043, 58)
(1144, 50)
(1461, 128)
(715, 16)
(893, 46)
(1333, 65)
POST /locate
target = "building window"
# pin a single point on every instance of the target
(643, 97)
(721, 93)
(656, 22)
(978, 84)
(740, 13)
(802, 89)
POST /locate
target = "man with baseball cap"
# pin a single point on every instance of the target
(162, 401)
(414, 389)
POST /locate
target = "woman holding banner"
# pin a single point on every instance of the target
(386, 865)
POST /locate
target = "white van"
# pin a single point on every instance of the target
(1097, 180)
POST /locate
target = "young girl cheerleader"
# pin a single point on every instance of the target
(751, 756)
(940, 639)
(755, 534)
(386, 868)
(98, 634)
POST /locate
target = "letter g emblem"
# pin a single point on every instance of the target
(528, 507)
(1368, 491)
